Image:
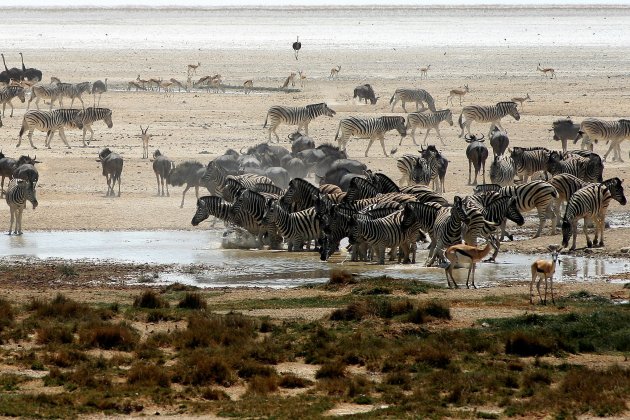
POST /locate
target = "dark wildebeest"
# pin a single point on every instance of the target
(477, 154)
(499, 141)
(189, 173)
(279, 176)
(296, 168)
(365, 92)
(9, 167)
(162, 167)
(564, 130)
(112, 169)
(300, 142)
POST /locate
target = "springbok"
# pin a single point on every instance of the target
(471, 255)
(424, 71)
(142, 82)
(521, 100)
(290, 79)
(248, 86)
(334, 72)
(168, 87)
(544, 269)
(302, 77)
(457, 92)
(145, 142)
(192, 68)
(547, 70)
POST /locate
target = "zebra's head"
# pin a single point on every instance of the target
(448, 116)
(616, 189)
(512, 213)
(271, 211)
(512, 110)
(108, 119)
(202, 212)
(20, 94)
(328, 111)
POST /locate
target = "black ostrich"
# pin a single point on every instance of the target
(296, 47)
(32, 74)
(14, 72)
(100, 88)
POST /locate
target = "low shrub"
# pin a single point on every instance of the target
(291, 381)
(331, 370)
(145, 374)
(192, 301)
(150, 300)
(108, 336)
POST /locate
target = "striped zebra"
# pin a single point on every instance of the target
(89, 116)
(296, 228)
(216, 175)
(528, 160)
(8, 93)
(48, 122)
(613, 131)
(428, 121)
(211, 205)
(447, 230)
(487, 114)
(300, 116)
(591, 204)
(18, 192)
(248, 212)
(502, 171)
(419, 96)
(72, 91)
(371, 128)
(566, 185)
(414, 170)
(438, 164)
(50, 92)
(588, 169)
(475, 224)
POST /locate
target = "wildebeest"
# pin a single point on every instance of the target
(365, 92)
(300, 142)
(279, 176)
(189, 173)
(112, 169)
(499, 141)
(296, 168)
(566, 129)
(477, 154)
(162, 168)
(342, 171)
(8, 167)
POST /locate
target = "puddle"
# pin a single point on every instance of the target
(202, 262)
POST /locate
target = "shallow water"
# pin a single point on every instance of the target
(199, 260)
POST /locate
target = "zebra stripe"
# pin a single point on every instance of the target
(447, 230)
(72, 91)
(371, 128)
(487, 114)
(18, 192)
(502, 171)
(419, 96)
(534, 194)
(414, 170)
(438, 165)
(89, 116)
(49, 122)
(613, 131)
(211, 205)
(296, 228)
(248, 212)
(591, 203)
(527, 161)
(566, 185)
(588, 169)
(386, 232)
(300, 116)
(7, 94)
(428, 121)
(50, 92)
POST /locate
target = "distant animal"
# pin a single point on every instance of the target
(297, 45)
(371, 128)
(520, 100)
(334, 72)
(18, 192)
(248, 86)
(12, 73)
(366, 93)
(457, 92)
(179, 85)
(429, 121)
(300, 116)
(99, 88)
(50, 92)
(145, 136)
(162, 167)
(289, 79)
(487, 114)
(112, 164)
(544, 269)
(614, 131)
(192, 68)
(88, 116)
(72, 91)
(477, 154)
(564, 130)
(48, 122)
(462, 254)
(546, 70)
(302, 77)
(419, 96)
(424, 71)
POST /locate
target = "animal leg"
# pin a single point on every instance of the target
(184, 195)
(62, 134)
(30, 139)
(427, 135)
(369, 145)
(382, 140)
(437, 130)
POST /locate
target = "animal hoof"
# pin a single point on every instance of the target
(511, 237)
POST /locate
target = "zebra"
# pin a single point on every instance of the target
(50, 92)
(211, 205)
(487, 114)
(371, 128)
(613, 131)
(566, 185)
(300, 195)
(48, 122)
(414, 170)
(529, 160)
(447, 230)
(419, 96)
(296, 228)
(438, 165)
(300, 116)
(588, 169)
(591, 203)
(7, 94)
(428, 121)
(216, 175)
(502, 171)
(73, 91)
(89, 116)
(18, 192)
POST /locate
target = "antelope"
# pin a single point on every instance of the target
(215, 83)
(142, 82)
(167, 86)
(179, 85)
(145, 142)
(135, 84)
(521, 100)
(334, 72)
(302, 77)
(248, 86)
(290, 79)
(546, 70)
(457, 92)
(544, 269)
(424, 71)
(192, 68)
(154, 81)
(461, 253)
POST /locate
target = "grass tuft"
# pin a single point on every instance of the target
(340, 278)
(331, 370)
(192, 300)
(292, 381)
(108, 336)
(150, 300)
(145, 374)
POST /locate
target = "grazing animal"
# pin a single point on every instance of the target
(145, 136)
(487, 114)
(134, 84)
(189, 173)
(98, 88)
(162, 167)
(365, 92)
(372, 128)
(48, 122)
(88, 116)
(462, 253)
(419, 96)
(334, 72)
(520, 99)
(424, 71)
(248, 86)
(546, 70)
(544, 269)
(18, 192)
(179, 85)
(7, 94)
(588, 169)
(477, 154)
(457, 92)
(566, 185)
(300, 116)
(428, 121)
(528, 161)
(112, 164)
(564, 130)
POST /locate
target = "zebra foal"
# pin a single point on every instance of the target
(18, 192)
(428, 121)
(487, 114)
(300, 116)
(371, 128)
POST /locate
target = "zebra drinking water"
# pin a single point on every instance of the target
(18, 192)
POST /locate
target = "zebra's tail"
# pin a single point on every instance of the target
(22, 129)
(459, 121)
(392, 99)
(265, 125)
(338, 128)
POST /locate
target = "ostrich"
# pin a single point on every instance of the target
(32, 74)
(296, 47)
(99, 87)
(13, 73)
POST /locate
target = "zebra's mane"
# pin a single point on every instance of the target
(316, 105)
(507, 103)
